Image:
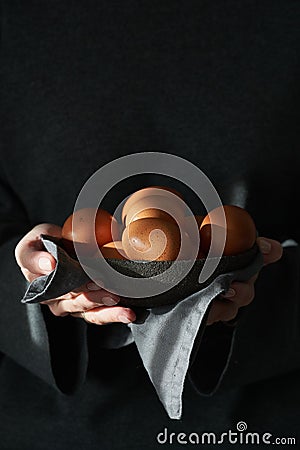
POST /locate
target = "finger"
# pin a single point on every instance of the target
(91, 292)
(100, 296)
(30, 253)
(90, 286)
(61, 307)
(224, 310)
(82, 302)
(105, 314)
(272, 250)
(242, 294)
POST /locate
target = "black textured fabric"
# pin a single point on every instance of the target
(81, 84)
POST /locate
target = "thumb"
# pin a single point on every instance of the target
(41, 263)
(30, 253)
(271, 249)
(34, 263)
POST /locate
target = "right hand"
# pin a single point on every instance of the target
(90, 299)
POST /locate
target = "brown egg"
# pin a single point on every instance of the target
(201, 255)
(240, 228)
(143, 194)
(113, 250)
(162, 245)
(188, 226)
(150, 213)
(166, 188)
(205, 240)
(80, 227)
(187, 247)
(188, 222)
(162, 207)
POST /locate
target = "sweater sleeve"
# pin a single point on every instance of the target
(265, 341)
(52, 348)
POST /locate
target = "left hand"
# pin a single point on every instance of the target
(226, 306)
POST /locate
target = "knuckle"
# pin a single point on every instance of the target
(83, 303)
(54, 310)
(231, 312)
(68, 296)
(91, 317)
(245, 294)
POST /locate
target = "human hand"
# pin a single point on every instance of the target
(226, 306)
(90, 302)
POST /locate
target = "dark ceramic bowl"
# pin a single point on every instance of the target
(187, 286)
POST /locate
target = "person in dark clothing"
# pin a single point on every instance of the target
(215, 83)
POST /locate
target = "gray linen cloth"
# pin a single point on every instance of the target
(165, 335)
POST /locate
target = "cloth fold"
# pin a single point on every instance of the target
(166, 335)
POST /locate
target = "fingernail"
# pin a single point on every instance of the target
(93, 287)
(230, 293)
(45, 264)
(124, 319)
(265, 246)
(109, 301)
